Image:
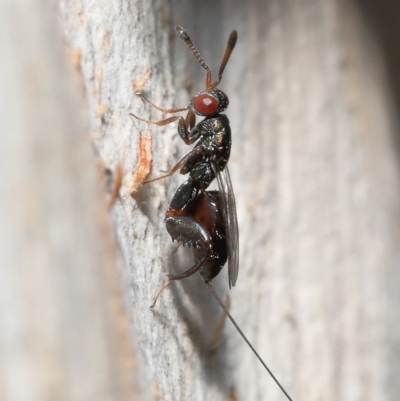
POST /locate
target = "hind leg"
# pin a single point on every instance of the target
(188, 231)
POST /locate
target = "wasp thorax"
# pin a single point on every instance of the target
(209, 102)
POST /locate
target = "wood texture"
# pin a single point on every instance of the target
(315, 169)
(63, 330)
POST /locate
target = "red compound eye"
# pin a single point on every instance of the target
(206, 105)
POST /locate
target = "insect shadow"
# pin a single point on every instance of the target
(205, 220)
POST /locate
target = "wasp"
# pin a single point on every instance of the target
(202, 219)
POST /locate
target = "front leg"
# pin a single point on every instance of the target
(186, 129)
(185, 126)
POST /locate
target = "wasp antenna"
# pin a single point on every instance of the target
(245, 339)
(186, 38)
(228, 51)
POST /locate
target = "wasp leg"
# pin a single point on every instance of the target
(189, 231)
(164, 110)
(186, 127)
(159, 292)
(159, 123)
(187, 273)
(187, 130)
(182, 164)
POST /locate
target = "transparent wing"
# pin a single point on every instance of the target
(230, 220)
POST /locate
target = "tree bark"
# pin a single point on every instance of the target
(64, 334)
(315, 170)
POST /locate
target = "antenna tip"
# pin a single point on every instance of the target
(181, 32)
(232, 39)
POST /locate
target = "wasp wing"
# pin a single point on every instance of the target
(230, 221)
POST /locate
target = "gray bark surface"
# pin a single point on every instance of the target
(64, 334)
(315, 169)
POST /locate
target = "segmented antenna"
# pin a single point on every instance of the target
(186, 38)
(228, 51)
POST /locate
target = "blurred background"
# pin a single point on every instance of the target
(314, 97)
